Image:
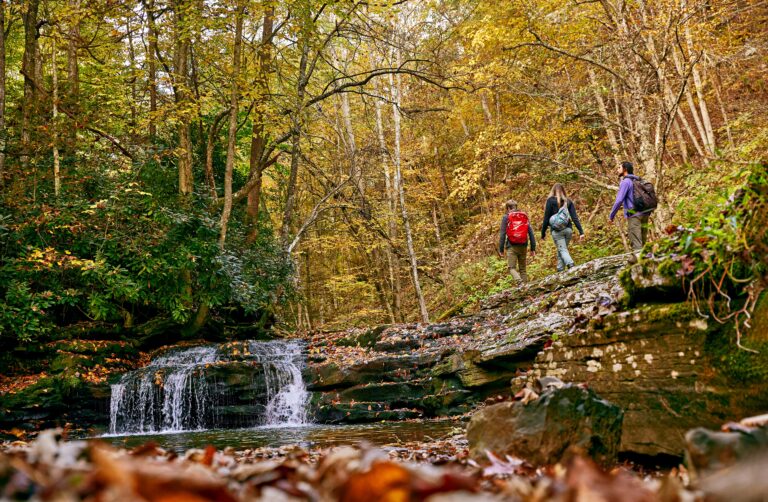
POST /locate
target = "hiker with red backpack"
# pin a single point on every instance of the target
(639, 200)
(560, 216)
(514, 236)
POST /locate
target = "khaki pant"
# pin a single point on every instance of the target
(516, 255)
(637, 228)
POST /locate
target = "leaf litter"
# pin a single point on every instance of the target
(54, 469)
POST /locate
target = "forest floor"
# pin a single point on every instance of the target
(54, 469)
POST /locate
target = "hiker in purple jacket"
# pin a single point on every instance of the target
(637, 223)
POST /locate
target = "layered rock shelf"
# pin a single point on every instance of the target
(413, 370)
(656, 359)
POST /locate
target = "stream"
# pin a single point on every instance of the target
(380, 433)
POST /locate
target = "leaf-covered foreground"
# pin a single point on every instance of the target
(51, 469)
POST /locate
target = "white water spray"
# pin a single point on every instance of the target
(172, 394)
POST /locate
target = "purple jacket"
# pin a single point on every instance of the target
(625, 198)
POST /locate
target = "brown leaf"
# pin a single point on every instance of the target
(384, 482)
(588, 483)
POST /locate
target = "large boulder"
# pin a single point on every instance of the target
(709, 451)
(544, 430)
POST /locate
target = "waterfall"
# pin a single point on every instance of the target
(181, 390)
(287, 395)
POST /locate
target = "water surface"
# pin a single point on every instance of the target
(320, 436)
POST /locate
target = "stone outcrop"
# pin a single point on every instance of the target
(710, 451)
(564, 420)
(627, 333)
(445, 369)
(656, 362)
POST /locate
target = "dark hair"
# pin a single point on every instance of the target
(627, 166)
(511, 205)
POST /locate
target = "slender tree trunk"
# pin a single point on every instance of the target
(717, 85)
(354, 169)
(214, 130)
(28, 71)
(603, 111)
(698, 83)
(258, 133)
(55, 113)
(399, 183)
(617, 112)
(708, 148)
(486, 108)
(232, 133)
(73, 74)
(439, 242)
(3, 140)
(394, 275)
(290, 199)
(132, 63)
(181, 90)
(152, 66)
(633, 68)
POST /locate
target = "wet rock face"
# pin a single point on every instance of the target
(451, 366)
(546, 429)
(653, 362)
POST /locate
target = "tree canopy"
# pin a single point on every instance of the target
(345, 162)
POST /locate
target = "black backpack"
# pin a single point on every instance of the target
(644, 198)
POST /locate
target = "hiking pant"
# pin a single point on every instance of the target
(562, 238)
(637, 228)
(516, 255)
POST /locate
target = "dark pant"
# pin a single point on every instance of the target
(637, 228)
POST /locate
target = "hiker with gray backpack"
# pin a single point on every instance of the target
(560, 216)
(639, 200)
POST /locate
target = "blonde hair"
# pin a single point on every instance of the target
(511, 205)
(558, 191)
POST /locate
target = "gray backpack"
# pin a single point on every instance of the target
(560, 220)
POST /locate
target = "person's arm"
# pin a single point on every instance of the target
(547, 215)
(575, 217)
(623, 189)
(503, 234)
(532, 239)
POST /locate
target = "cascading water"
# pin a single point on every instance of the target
(169, 394)
(180, 390)
(287, 395)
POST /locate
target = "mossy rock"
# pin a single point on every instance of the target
(758, 332)
(367, 338)
(739, 366)
(361, 412)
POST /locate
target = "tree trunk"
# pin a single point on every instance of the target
(486, 109)
(132, 63)
(28, 72)
(213, 131)
(3, 141)
(232, 133)
(258, 134)
(55, 113)
(290, 199)
(181, 91)
(354, 169)
(73, 73)
(603, 111)
(152, 66)
(394, 275)
(399, 183)
(708, 148)
(699, 85)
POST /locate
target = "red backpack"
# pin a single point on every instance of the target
(517, 227)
